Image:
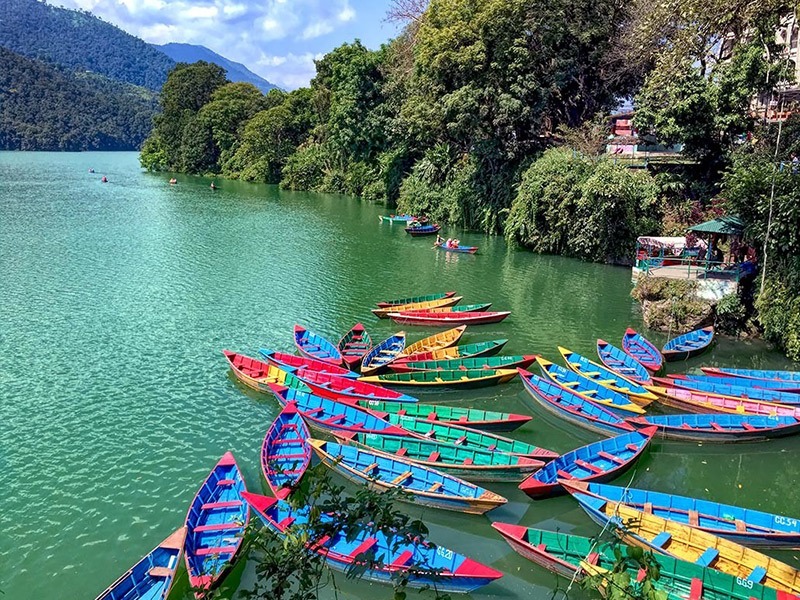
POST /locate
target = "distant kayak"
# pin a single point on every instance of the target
(464, 249)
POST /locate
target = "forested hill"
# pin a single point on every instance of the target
(80, 41)
(44, 107)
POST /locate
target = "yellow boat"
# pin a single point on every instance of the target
(434, 342)
(606, 377)
(651, 532)
(471, 378)
(258, 375)
(383, 313)
(703, 402)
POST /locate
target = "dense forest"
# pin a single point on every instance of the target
(493, 116)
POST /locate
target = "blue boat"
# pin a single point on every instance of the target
(767, 384)
(426, 486)
(384, 353)
(599, 461)
(642, 350)
(622, 363)
(718, 427)
(688, 345)
(735, 391)
(215, 525)
(572, 407)
(315, 346)
(292, 362)
(418, 230)
(591, 390)
(326, 415)
(285, 454)
(151, 578)
(606, 377)
(756, 374)
(744, 526)
(426, 565)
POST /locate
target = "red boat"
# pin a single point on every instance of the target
(447, 319)
(347, 390)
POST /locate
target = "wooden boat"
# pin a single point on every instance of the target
(330, 416)
(466, 437)
(421, 230)
(462, 379)
(258, 375)
(432, 319)
(415, 299)
(462, 308)
(731, 391)
(476, 349)
(427, 487)
(292, 362)
(690, 544)
(285, 455)
(459, 248)
(703, 402)
(575, 557)
(718, 427)
(383, 354)
(215, 525)
(571, 406)
(642, 350)
(587, 388)
(755, 374)
(396, 218)
(622, 363)
(466, 364)
(598, 461)
(767, 384)
(151, 578)
(383, 312)
(474, 418)
(354, 345)
(606, 377)
(437, 341)
(315, 346)
(688, 345)
(348, 390)
(751, 528)
(426, 565)
(465, 463)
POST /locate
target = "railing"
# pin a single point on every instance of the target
(692, 267)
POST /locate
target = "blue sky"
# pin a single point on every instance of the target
(278, 39)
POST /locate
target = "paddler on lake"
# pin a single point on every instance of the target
(213, 187)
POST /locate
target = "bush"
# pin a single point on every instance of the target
(305, 169)
(778, 309)
(731, 315)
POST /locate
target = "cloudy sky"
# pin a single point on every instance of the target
(278, 39)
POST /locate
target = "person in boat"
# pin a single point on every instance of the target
(91, 170)
(213, 186)
(454, 243)
(173, 181)
(439, 240)
(104, 179)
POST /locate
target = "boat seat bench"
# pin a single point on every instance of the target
(365, 546)
(217, 550)
(708, 557)
(661, 539)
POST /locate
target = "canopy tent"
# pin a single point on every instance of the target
(674, 245)
(722, 226)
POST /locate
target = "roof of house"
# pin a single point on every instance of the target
(729, 225)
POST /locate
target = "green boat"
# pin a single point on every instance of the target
(414, 299)
(470, 378)
(466, 463)
(489, 348)
(466, 308)
(474, 418)
(521, 361)
(571, 555)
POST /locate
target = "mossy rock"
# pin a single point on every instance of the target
(677, 314)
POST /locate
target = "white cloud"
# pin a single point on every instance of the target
(288, 71)
(200, 12)
(317, 29)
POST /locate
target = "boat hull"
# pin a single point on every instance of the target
(688, 345)
(699, 427)
(447, 319)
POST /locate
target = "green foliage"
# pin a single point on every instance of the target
(153, 155)
(305, 169)
(731, 315)
(778, 309)
(660, 288)
(634, 577)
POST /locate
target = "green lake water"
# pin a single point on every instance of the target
(116, 300)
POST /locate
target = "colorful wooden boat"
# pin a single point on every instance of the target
(348, 390)
(718, 427)
(466, 364)
(432, 319)
(315, 346)
(462, 308)
(462, 379)
(474, 418)
(755, 374)
(621, 363)
(690, 544)
(767, 384)
(571, 406)
(606, 377)
(396, 218)
(437, 341)
(598, 461)
(427, 487)
(575, 557)
(465, 463)
(731, 391)
(688, 345)
(354, 345)
(258, 375)
(476, 349)
(703, 402)
(421, 230)
(426, 565)
(383, 354)
(642, 350)
(383, 313)
(459, 248)
(466, 437)
(751, 528)
(215, 525)
(151, 578)
(285, 455)
(292, 362)
(415, 299)
(330, 416)
(587, 388)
